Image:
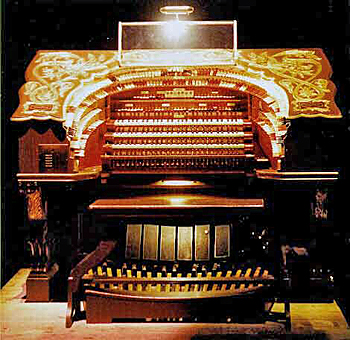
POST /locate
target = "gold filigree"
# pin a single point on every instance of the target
(177, 57)
(298, 70)
(59, 72)
(35, 206)
(55, 74)
(311, 105)
(53, 66)
(59, 82)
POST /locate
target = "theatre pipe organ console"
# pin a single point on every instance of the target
(178, 161)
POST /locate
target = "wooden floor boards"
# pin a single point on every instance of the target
(20, 320)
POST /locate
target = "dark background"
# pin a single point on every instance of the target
(29, 26)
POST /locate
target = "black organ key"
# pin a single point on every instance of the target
(144, 270)
(104, 268)
(174, 270)
(155, 270)
(124, 269)
(215, 269)
(164, 271)
(133, 269)
(204, 270)
(194, 270)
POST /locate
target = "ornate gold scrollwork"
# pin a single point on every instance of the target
(60, 81)
(298, 72)
(55, 74)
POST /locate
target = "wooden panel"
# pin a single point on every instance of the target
(184, 243)
(93, 149)
(202, 242)
(150, 242)
(38, 288)
(167, 243)
(133, 241)
(222, 241)
(29, 151)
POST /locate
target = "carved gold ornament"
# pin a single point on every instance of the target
(35, 207)
(52, 75)
(56, 79)
(304, 74)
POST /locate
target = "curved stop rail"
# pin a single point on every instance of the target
(160, 294)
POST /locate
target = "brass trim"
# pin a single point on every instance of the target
(298, 175)
(58, 177)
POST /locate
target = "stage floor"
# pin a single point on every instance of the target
(20, 320)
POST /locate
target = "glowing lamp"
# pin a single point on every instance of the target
(177, 10)
(174, 29)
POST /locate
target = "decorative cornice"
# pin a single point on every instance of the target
(53, 75)
(304, 73)
(58, 82)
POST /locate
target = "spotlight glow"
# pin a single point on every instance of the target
(177, 200)
(174, 29)
(178, 183)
